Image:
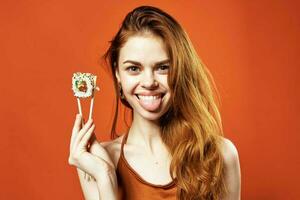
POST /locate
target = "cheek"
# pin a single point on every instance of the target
(163, 80)
(128, 83)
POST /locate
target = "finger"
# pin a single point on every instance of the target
(75, 130)
(83, 121)
(92, 142)
(93, 138)
(82, 132)
(77, 124)
(85, 139)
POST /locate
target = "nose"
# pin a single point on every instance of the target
(148, 81)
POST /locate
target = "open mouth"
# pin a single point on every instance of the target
(150, 103)
(150, 97)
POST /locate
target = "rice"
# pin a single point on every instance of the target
(83, 84)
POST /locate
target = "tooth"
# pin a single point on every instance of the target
(149, 97)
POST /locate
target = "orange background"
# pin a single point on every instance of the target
(250, 47)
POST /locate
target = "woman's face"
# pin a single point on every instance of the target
(143, 73)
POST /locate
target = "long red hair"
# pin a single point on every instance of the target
(191, 128)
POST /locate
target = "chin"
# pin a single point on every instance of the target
(149, 115)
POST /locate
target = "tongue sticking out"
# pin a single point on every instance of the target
(150, 104)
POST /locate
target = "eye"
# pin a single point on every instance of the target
(163, 68)
(132, 68)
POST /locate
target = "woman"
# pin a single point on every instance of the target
(174, 148)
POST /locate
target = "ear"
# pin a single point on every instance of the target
(117, 75)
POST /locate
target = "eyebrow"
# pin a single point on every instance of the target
(138, 63)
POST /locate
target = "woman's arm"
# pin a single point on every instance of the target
(108, 187)
(89, 188)
(232, 168)
(101, 188)
(94, 161)
(98, 188)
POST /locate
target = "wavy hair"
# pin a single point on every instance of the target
(191, 128)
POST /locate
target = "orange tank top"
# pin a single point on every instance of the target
(133, 187)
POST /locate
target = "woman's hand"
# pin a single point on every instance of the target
(97, 166)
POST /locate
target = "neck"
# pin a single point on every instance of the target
(147, 134)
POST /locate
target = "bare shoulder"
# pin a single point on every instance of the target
(229, 152)
(232, 170)
(112, 143)
(113, 148)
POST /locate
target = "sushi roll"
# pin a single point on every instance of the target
(83, 84)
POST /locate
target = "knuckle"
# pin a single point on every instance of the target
(77, 157)
(70, 161)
